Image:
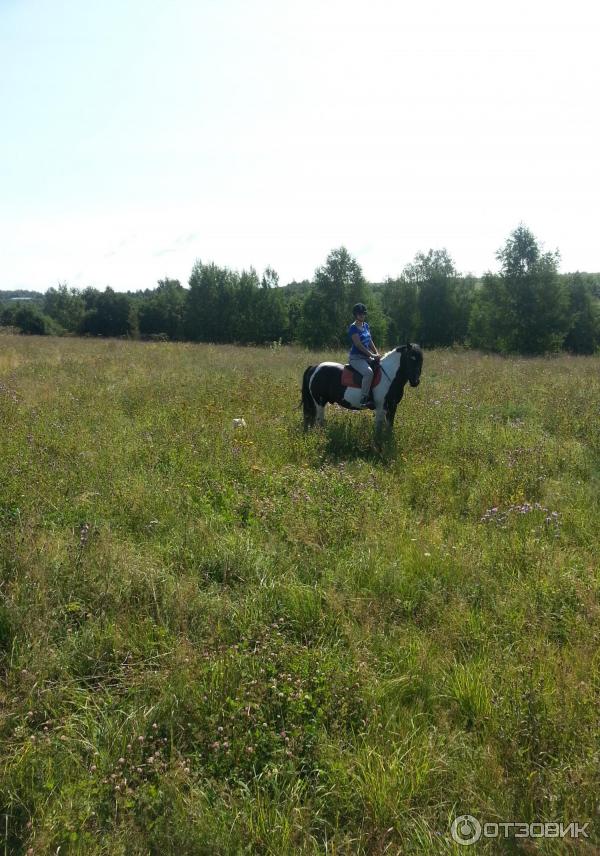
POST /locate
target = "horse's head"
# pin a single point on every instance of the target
(411, 363)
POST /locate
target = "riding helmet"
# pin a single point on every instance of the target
(359, 308)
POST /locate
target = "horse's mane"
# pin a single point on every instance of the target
(414, 347)
(392, 351)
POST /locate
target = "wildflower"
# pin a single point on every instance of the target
(84, 534)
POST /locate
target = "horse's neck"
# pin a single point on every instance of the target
(391, 363)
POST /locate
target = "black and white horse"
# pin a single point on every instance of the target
(333, 383)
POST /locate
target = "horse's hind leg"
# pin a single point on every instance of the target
(320, 416)
(309, 416)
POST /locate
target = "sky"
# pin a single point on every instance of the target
(139, 136)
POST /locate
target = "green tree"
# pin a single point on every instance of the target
(315, 327)
(489, 302)
(108, 313)
(435, 278)
(533, 314)
(400, 304)
(245, 309)
(464, 296)
(270, 278)
(30, 320)
(525, 308)
(161, 313)
(210, 304)
(327, 309)
(226, 306)
(66, 306)
(584, 313)
(294, 312)
(272, 315)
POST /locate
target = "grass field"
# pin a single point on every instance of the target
(259, 641)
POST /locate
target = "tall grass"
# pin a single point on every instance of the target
(219, 641)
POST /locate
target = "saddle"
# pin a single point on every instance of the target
(350, 377)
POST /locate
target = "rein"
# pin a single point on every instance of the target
(385, 373)
(398, 369)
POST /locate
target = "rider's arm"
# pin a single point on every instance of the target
(356, 341)
(372, 349)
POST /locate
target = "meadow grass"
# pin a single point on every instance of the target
(219, 641)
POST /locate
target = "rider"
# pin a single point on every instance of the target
(363, 350)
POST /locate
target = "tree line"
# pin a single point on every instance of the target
(525, 307)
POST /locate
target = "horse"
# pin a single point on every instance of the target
(333, 383)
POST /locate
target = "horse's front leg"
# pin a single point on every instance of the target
(320, 416)
(379, 418)
(389, 416)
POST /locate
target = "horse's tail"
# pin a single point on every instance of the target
(308, 402)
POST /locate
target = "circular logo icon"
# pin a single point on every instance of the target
(466, 829)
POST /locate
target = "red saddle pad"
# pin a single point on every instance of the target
(352, 378)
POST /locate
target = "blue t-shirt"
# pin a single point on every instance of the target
(365, 339)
